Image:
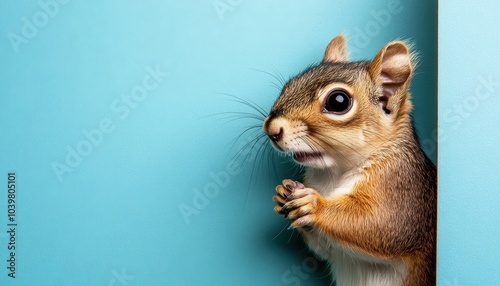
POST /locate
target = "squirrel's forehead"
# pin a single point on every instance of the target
(318, 77)
(327, 73)
(302, 89)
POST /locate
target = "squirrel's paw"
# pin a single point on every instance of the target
(282, 192)
(296, 202)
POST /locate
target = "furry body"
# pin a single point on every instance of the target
(368, 202)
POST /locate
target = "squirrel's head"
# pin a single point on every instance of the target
(338, 112)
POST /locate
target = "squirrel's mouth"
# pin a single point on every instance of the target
(304, 157)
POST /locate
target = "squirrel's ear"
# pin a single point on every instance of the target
(336, 51)
(392, 69)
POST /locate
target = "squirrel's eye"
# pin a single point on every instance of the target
(338, 102)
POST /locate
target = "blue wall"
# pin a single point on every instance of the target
(469, 172)
(113, 121)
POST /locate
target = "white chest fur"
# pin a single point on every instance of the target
(331, 184)
(349, 267)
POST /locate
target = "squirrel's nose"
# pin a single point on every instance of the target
(277, 136)
(275, 128)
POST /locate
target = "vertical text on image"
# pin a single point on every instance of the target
(11, 224)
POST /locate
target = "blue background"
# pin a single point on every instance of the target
(469, 153)
(116, 217)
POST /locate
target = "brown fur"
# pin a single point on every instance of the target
(390, 213)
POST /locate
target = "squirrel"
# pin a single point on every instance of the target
(368, 201)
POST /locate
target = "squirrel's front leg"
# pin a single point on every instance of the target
(297, 203)
(353, 220)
